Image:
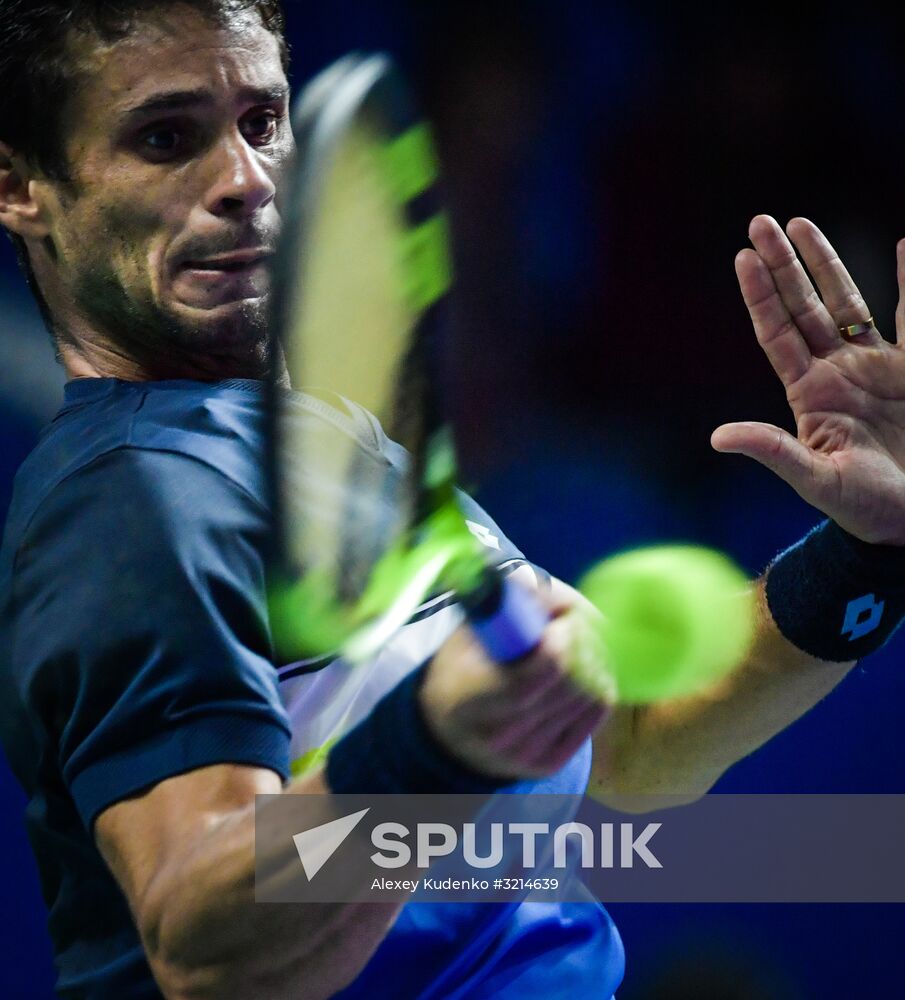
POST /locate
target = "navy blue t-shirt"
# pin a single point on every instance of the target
(134, 646)
(133, 639)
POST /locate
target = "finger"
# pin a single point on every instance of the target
(571, 737)
(900, 307)
(809, 473)
(839, 292)
(557, 746)
(537, 681)
(531, 684)
(535, 730)
(809, 314)
(776, 333)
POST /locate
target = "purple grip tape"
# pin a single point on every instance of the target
(514, 627)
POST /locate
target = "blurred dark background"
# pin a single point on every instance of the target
(603, 163)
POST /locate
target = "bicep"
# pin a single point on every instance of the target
(147, 839)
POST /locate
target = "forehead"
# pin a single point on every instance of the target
(174, 48)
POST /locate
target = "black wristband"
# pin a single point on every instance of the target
(836, 597)
(392, 750)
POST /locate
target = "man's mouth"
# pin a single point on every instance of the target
(207, 282)
(236, 262)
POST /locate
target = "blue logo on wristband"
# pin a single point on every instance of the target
(862, 615)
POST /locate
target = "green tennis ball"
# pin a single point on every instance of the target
(676, 618)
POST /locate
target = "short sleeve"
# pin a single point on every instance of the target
(140, 640)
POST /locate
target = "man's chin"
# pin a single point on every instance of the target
(235, 322)
(230, 339)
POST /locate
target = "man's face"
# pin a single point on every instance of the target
(177, 143)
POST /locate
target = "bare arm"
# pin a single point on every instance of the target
(847, 459)
(681, 747)
(184, 854)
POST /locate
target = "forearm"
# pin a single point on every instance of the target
(681, 747)
(206, 936)
(460, 725)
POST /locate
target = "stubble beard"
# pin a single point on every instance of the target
(167, 345)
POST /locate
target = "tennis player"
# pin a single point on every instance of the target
(143, 146)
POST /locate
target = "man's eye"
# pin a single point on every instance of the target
(261, 127)
(164, 140)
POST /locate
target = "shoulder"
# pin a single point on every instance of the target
(136, 540)
(135, 497)
(222, 425)
(142, 437)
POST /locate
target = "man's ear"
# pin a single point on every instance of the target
(20, 211)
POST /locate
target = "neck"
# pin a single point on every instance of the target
(81, 361)
(146, 358)
(103, 361)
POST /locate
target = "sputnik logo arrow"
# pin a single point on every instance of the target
(317, 846)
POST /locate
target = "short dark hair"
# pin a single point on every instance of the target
(38, 68)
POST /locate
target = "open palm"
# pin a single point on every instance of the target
(847, 394)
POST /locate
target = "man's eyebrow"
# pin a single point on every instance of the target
(177, 100)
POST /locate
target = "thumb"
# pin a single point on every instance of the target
(804, 470)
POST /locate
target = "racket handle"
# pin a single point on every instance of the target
(507, 619)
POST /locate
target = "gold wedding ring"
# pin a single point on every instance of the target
(857, 328)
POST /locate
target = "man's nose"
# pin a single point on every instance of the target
(242, 183)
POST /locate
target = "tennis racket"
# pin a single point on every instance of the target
(367, 529)
(363, 465)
